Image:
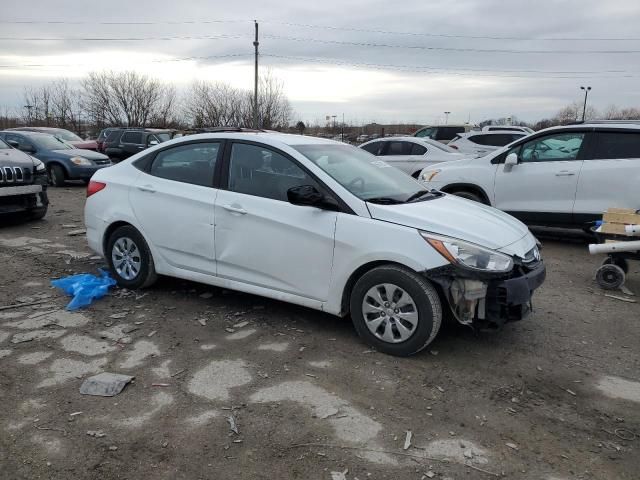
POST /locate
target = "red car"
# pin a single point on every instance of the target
(64, 135)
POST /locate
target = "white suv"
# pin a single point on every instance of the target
(316, 223)
(478, 144)
(562, 176)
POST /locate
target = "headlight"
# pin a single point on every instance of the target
(469, 255)
(38, 165)
(429, 175)
(80, 161)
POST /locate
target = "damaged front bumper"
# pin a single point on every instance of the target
(488, 301)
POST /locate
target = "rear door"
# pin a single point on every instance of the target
(131, 142)
(610, 175)
(261, 238)
(398, 154)
(173, 201)
(541, 188)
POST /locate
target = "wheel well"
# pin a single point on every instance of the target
(467, 187)
(112, 228)
(355, 276)
(51, 164)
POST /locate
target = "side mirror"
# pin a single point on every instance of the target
(308, 195)
(153, 142)
(510, 161)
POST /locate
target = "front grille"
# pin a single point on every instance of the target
(15, 175)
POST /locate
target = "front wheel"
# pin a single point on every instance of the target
(130, 259)
(56, 176)
(395, 310)
(38, 213)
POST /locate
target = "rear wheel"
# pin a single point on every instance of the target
(395, 310)
(130, 259)
(56, 176)
(468, 195)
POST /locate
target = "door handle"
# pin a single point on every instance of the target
(231, 208)
(147, 188)
(564, 173)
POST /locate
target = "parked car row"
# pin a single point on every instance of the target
(63, 134)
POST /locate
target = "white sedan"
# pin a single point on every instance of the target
(478, 144)
(316, 223)
(411, 154)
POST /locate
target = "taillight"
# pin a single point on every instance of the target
(94, 187)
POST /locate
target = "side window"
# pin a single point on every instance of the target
(259, 171)
(479, 139)
(398, 148)
(417, 149)
(611, 145)
(499, 139)
(373, 147)
(131, 137)
(447, 133)
(193, 163)
(558, 147)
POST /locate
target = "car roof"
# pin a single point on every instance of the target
(594, 125)
(29, 133)
(269, 138)
(493, 132)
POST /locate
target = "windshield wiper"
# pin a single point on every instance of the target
(421, 193)
(383, 200)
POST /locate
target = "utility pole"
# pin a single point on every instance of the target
(584, 109)
(255, 82)
(446, 118)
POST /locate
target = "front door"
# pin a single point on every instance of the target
(542, 186)
(173, 201)
(261, 238)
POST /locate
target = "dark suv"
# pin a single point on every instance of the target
(121, 144)
(23, 183)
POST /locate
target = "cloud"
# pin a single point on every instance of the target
(469, 83)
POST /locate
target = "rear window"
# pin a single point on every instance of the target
(448, 133)
(132, 137)
(398, 148)
(373, 148)
(418, 149)
(611, 145)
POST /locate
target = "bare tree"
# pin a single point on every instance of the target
(274, 109)
(126, 98)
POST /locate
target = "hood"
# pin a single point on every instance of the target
(439, 156)
(78, 152)
(12, 157)
(459, 218)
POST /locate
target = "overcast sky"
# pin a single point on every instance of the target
(423, 57)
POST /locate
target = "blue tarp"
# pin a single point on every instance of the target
(85, 288)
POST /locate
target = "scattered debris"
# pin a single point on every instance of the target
(440, 389)
(512, 446)
(160, 385)
(622, 299)
(113, 448)
(407, 440)
(571, 392)
(241, 324)
(75, 414)
(105, 384)
(202, 321)
(152, 333)
(339, 475)
(96, 433)
(19, 305)
(229, 330)
(165, 444)
(206, 295)
(429, 474)
(626, 291)
(85, 288)
(232, 424)
(178, 372)
(75, 233)
(117, 316)
(310, 375)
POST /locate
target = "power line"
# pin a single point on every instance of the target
(455, 71)
(320, 27)
(164, 60)
(120, 39)
(447, 49)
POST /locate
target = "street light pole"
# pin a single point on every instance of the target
(584, 109)
(446, 117)
(256, 43)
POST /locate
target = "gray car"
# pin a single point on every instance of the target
(62, 161)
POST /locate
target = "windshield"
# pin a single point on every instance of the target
(363, 174)
(425, 132)
(49, 142)
(163, 137)
(67, 136)
(3, 146)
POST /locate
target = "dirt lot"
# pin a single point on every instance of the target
(553, 397)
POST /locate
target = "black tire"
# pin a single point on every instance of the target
(620, 262)
(56, 176)
(38, 213)
(469, 196)
(610, 277)
(146, 274)
(424, 296)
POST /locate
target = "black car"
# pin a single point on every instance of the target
(121, 144)
(23, 183)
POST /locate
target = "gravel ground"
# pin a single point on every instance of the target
(552, 397)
